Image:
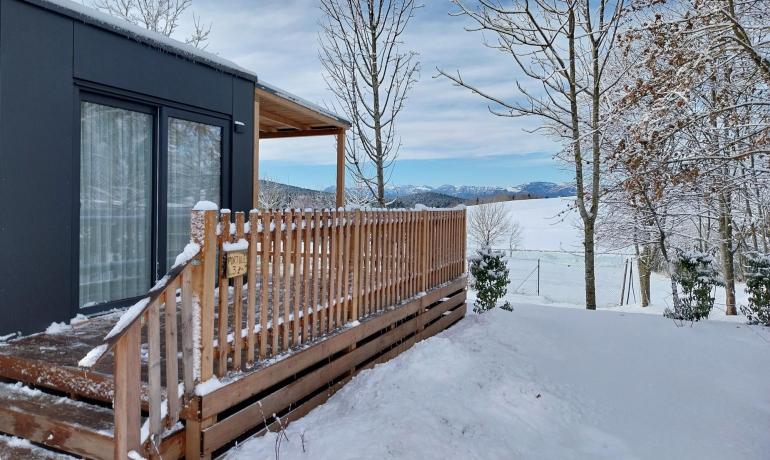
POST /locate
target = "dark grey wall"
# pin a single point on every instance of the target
(45, 58)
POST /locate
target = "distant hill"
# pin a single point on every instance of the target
(277, 195)
(471, 192)
(430, 199)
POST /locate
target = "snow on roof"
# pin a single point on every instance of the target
(105, 21)
(155, 39)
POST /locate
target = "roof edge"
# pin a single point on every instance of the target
(104, 21)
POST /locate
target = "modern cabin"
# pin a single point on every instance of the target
(129, 167)
(109, 134)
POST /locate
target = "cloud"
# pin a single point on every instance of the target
(278, 39)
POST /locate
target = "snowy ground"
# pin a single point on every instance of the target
(550, 232)
(550, 383)
(553, 383)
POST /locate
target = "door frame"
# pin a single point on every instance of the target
(224, 173)
(160, 110)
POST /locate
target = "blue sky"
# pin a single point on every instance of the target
(447, 134)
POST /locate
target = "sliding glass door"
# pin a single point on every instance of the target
(116, 189)
(194, 174)
(142, 169)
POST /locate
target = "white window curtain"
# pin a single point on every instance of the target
(194, 173)
(116, 148)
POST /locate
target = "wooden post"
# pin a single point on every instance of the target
(255, 156)
(127, 401)
(204, 233)
(340, 201)
(203, 228)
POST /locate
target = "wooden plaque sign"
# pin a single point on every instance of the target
(236, 263)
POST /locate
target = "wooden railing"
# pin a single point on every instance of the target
(309, 274)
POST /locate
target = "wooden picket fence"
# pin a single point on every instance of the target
(309, 275)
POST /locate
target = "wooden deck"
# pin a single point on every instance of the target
(187, 372)
(67, 408)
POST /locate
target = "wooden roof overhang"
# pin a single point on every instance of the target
(279, 114)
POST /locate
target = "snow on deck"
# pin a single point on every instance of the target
(551, 383)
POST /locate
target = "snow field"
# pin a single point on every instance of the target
(550, 232)
(550, 383)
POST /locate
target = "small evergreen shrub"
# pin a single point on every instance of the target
(489, 277)
(758, 288)
(696, 275)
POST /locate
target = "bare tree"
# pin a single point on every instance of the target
(358, 195)
(565, 48)
(272, 195)
(160, 16)
(370, 76)
(489, 223)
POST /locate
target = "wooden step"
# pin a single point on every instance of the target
(72, 426)
(12, 448)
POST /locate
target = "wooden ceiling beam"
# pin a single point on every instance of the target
(299, 133)
(282, 120)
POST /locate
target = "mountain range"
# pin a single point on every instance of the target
(470, 192)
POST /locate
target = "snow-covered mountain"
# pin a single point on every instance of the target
(468, 192)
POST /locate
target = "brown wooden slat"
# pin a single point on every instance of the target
(224, 305)
(297, 265)
(241, 389)
(266, 248)
(187, 332)
(127, 384)
(153, 370)
(171, 361)
(251, 289)
(333, 249)
(316, 273)
(238, 302)
(276, 285)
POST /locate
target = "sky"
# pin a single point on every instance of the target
(448, 135)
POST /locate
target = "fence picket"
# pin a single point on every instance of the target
(224, 224)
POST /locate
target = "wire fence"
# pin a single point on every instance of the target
(558, 277)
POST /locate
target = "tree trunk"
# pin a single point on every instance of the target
(644, 258)
(379, 156)
(590, 271)
(726, 251)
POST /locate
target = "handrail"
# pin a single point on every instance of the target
(135, 312)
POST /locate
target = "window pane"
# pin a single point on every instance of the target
(115, 206)
(194, 172)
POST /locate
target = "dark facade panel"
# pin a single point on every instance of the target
(243, 143)
(36, 167)
(45, 57)
(106, 58)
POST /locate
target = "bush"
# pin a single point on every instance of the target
(489, 277)
(758, 288)
(696, 275)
